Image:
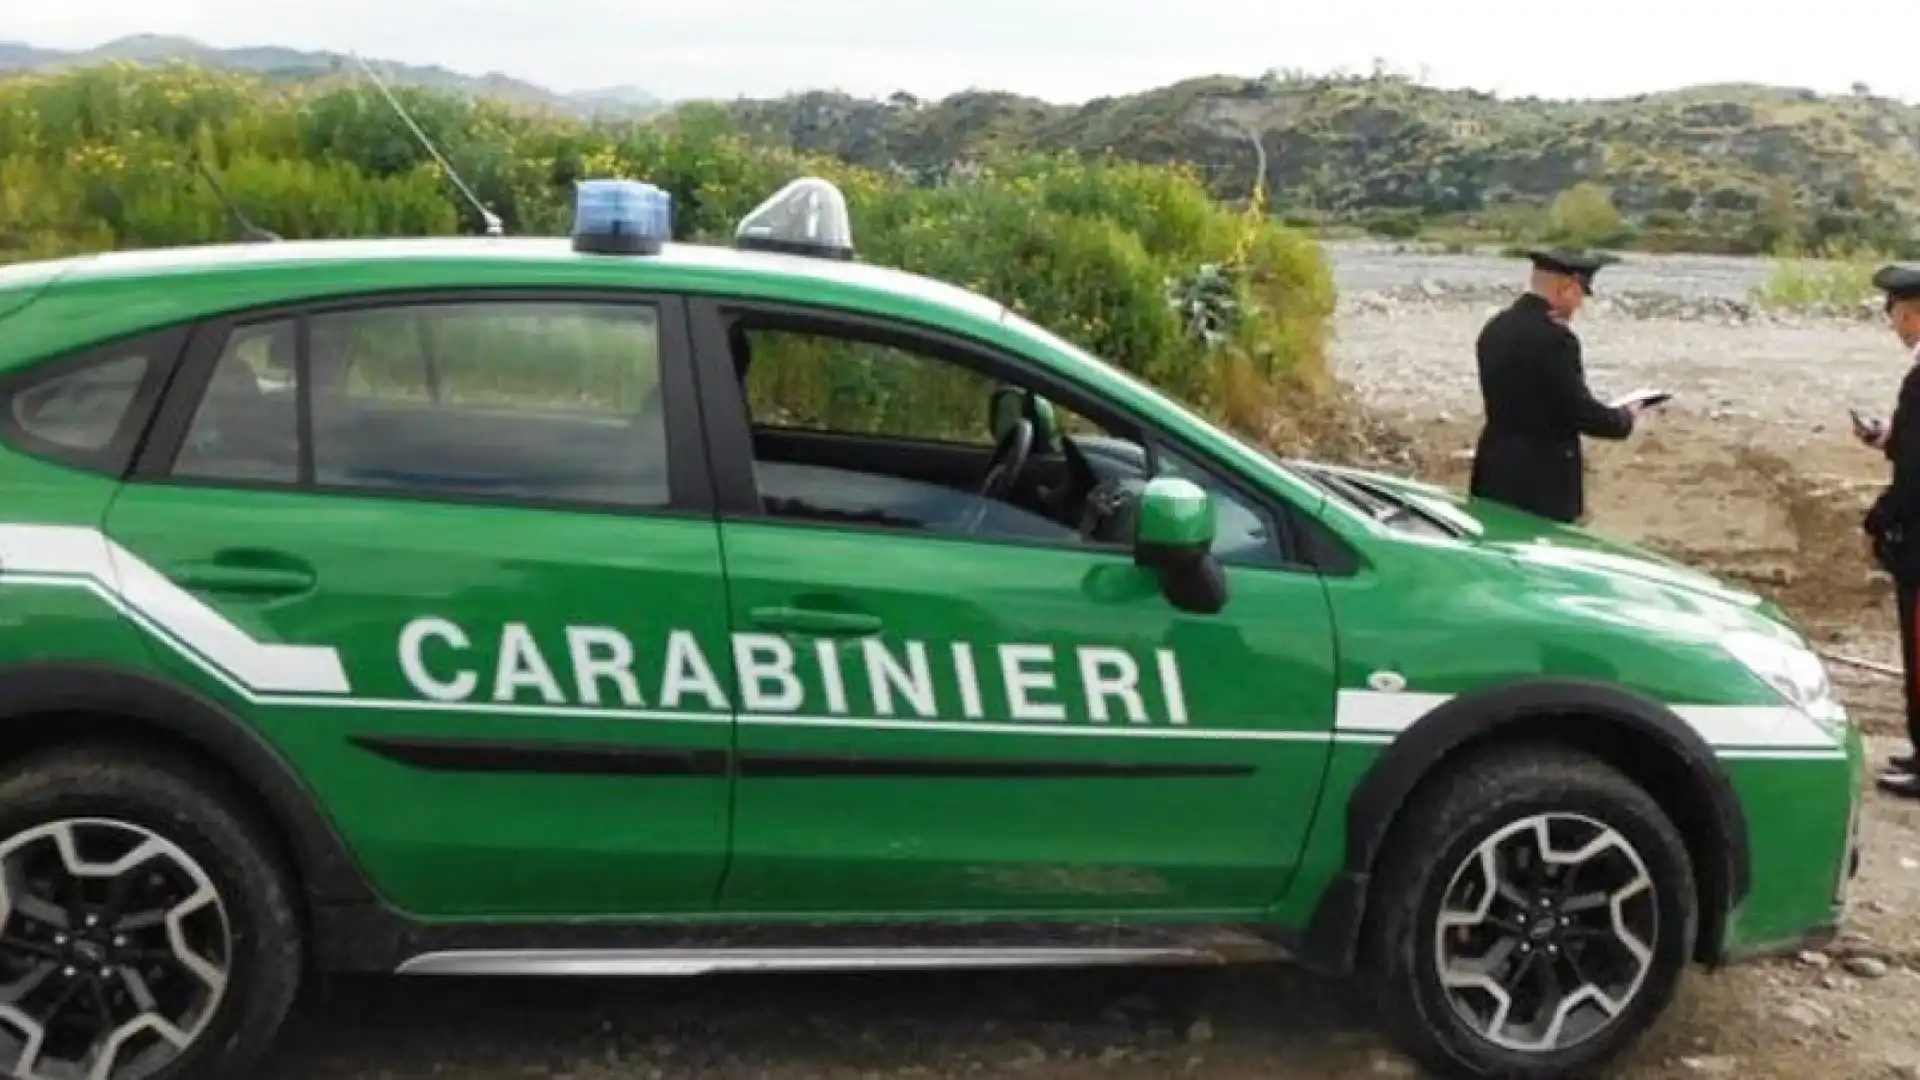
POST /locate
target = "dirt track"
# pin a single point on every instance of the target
(1751, 474)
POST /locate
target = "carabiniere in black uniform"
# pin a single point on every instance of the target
(1534, 388)
(1893, 522)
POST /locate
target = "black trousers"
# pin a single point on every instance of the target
(1908, 594)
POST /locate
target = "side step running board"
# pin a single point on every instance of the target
(670, 962)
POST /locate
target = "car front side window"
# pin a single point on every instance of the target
(874, 426)
(858, 431)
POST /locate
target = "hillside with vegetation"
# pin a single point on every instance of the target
(296, 65)
(1229, 310)
(1734, 168)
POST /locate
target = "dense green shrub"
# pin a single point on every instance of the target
(1096, 250)
(1583, 216)
(1838, 285)
(1394, 224)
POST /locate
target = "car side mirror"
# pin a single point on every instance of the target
(1173, 536)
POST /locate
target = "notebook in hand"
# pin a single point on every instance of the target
(1646, 397)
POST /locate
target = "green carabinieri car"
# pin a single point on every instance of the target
(543, 607)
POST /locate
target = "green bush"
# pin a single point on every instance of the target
(1841, 285)
(1096, 250)
(1394, 224)
(1583, 216)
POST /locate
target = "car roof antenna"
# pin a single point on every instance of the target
(492, 220)
(249, 232)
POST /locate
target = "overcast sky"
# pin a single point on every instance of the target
(1064, 50)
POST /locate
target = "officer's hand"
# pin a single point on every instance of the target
(1871, 432)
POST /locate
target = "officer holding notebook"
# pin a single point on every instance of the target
(1534, 389)
(1893, 523)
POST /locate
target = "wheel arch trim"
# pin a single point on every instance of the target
(1374, 805)
(328, 873)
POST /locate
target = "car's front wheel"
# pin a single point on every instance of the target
(1533, 918)
(145, 929)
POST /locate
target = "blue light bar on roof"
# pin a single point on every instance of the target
(621, 217)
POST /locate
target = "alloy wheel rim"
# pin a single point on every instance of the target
(1546, 933)
(115, 951)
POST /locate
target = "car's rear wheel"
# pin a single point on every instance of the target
(146, 932)
(1533, 917)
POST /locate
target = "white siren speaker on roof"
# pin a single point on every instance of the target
(807, 217)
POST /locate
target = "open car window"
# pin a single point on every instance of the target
(819, 382)
(854, 430)
(874, 431)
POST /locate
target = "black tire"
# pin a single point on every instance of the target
(1442, 830)
(157, 793)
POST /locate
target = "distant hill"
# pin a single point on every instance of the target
(296, 65)
(1348, 145)
(1707, 162)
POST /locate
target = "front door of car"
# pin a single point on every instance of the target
(447, 555)
(952, 705)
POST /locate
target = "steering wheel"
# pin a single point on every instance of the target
(1009, 459)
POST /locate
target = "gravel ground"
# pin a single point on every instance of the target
(1750, 473)
(1416, 358)
(1369, 266)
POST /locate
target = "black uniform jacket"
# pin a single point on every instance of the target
(1534, 388)
(1894, 519)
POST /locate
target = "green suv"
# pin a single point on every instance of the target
(542, 607)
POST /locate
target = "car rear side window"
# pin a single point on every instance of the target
(548, 401)
(244, 428)
(89, 409)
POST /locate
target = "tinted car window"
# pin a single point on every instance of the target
(80, 410)
(88, 409)
(244, 428)
(548, 401)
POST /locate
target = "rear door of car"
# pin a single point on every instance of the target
(454, 555)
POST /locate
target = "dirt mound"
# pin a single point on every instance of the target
(1739, 503)
(1829, 579)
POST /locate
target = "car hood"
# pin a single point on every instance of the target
(1545, 546)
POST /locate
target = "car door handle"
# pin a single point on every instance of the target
(248, 580)
(794, 620)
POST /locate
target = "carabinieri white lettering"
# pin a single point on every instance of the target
(835, 677)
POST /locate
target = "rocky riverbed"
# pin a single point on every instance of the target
(1750, 473)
